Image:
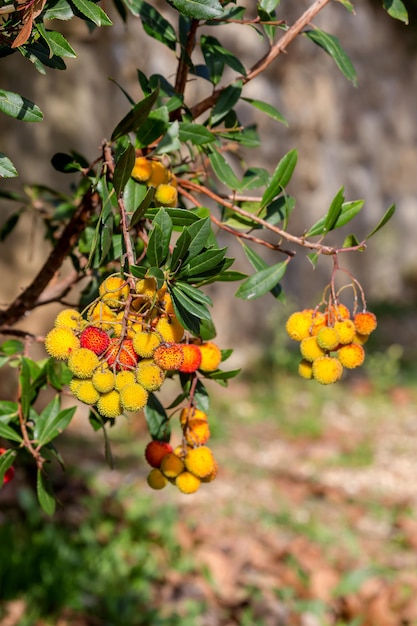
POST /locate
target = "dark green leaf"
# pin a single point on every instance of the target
(259, 264)
(143, 206)
(11, 347)
(154, 24)
(61, 10)
(66, 163)
(223, 171)
(263, 281)
(269, 5)
(332, 46)
(350, 241)
(180, 217)
(93, 12)
(225, 102)
(231, 276)
(157, 419)
(280, 210)
(281, 177)
(25, 390)
(334, 211)
(200, 232)
(156, 252)
(6, 460)
(180, 252)
(386, 217)
(396, 9)
(347, 213)
(45, 496)
(7, 432)
(207, 330)
(268, 109)
(123, 169)
(133, 195)
(194, 293)
(56, 42)
(199, 9)
(170, 141)
(205, 262)
(193, 307)
(164, 222)
(19, 107)
(155, 126)
(52, 421)
(136, 117)
(197, 134)
(201, 397)
(7, 169)
(216, 55)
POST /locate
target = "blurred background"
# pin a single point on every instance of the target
(312, 519)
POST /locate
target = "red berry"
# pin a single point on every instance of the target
(192, 358)
(9, 475)
(122, 354)
(155, 452)
(94, 339)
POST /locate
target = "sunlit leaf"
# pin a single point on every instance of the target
(281, 176)
(263, 281)
(7, 169)
(332, 46)
(396, 9)
(20, 108)
(199, 9)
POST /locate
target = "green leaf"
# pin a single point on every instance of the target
(11, 347)
(263, 281)
(223, 171)
(332, 46)
(133, 195)
(348, 5)
(154, 24)
(396, 9)
(199, 9)
(20, 108)
(59, 45)
(347, 213)
(259, 264)
(269, 5)
(202, 397)
(194, 293)
(7, 432)
(61, 10)
(180, 252)
(334, 211)
(7, 169)
(170, 141)
(197, 309)
(164, 222)
(180, 217)
(200, 232)
(144, 204)
(155, 126)
(123, 169)
(216, 55)
(197, 134)
(136, 116)
(157, 419)
(350, 241)
(281, 177)
(93, 12)
(25, 390)
(225, 102)
(204, 262)
(6, 460)
(45, 496)
(52, 421)
(268, 109)
(386, 217)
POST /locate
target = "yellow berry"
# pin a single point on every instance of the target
(82, 362)
(298, 325)
(166, 195)
(310, 348)
(365, 323)
(361, 339)
(102, 316)
(156, 479)
(166, 303)
(305, 369)
(171, 465)
(351, 355)
(109, 404)
(170, 329)
(133, 397)
(213, 474)
(191, 413)
(70, 318)
(85, 391)
(187, 482)
(200, 461)
(211, 357)
(103, 379)
(149, 375)
(145, 344)
(123, 378)
(114, 291)
(328, 338)
(142, 170)
(327, 370)
(197, 432)
(318, 322)
(346, 330)
(159, 174)
(60, 342)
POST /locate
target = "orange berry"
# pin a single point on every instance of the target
(155, 452)
(156, 479)
(171, 465)
(169, 356)
(200, 461)
(365, 323)
(94, 339)
(121, 354)
(351, 355)
(166, 195)
(192, 358)
(310, 348)
(142, 170)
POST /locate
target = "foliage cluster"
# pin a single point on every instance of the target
(112, 222)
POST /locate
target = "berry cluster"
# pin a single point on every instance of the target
(189, 464)
(153, 173)
(330, 340)
(124, 347)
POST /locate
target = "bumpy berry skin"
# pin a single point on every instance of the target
(318, 322)
(346, 330)
(155, 452)
(103, 379)
(200, 461)
(133, 397)
(305, 369)
(94, 339)
(142, 170)
(169, 357)
(109, 404)
(9, 474)
(121, 355)
(365, 323)
(327, 370)
(298, 325)
(191, 413)
(197, 432)
(167, 305)
(170, 329)
(192, 358)
(310, 349)
(187, 483)
(69, 318)
(156, 479)
(211, 357)
(85, 391)
(351, 355)
(82, 362)
(145, 343)
(60, 342)
(149, 375)
(171, 465)
(123, 378)
(114, 291)
(102, 316)
(146, 287)
(166, 195)
(328, 338)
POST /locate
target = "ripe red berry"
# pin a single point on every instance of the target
(155, 452)
(9, 474)
(94, 339)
